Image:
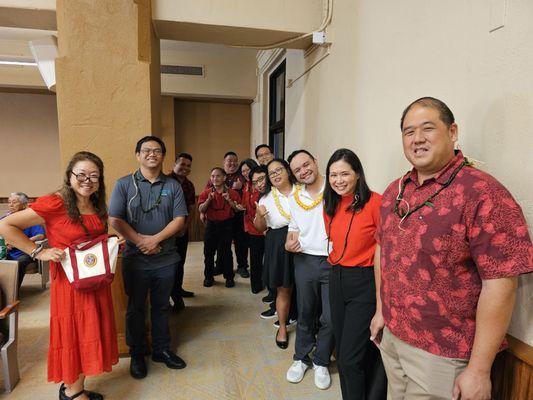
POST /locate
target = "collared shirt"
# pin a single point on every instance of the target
(230, 180)
(188, 188)
(433, 265)
(125, 204)
(250, 196)
(352, 234)
(219, 209)
(309, 224)
(274, 218)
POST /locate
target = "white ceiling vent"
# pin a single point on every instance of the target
(182, 70)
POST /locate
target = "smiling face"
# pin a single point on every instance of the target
(259, 181)
(217, 178)
(182, 167)
(151, 155)
(264, 155)
(245, 171)
(85, 178)
(231, 163)
(277, 174)
(428, 143)
(304, 168)
(14, 203)
(342, 178)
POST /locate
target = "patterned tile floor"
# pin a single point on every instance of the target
(230, 351)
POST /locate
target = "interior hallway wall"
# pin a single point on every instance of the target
(29, 138)
(386, 54)
(207, 130)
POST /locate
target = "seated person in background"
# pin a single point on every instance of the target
(17, 202)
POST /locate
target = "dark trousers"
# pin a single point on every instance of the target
(137, 284)
(182, 243)
(352, 293)
(311, 274)
(257, 251)
(240, 240)
(217, 237)
(24, 260)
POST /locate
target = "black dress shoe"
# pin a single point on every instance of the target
(282, 344)
(230, 283)
(93, 395)
(170, 359)
(208, 282)
(186, 293)
(138, 367)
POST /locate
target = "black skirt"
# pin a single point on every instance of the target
(278, 270)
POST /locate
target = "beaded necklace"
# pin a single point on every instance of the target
(306, 207)
(283, 213)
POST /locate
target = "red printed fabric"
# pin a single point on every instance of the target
(188, 189)
(83, 337)
(432, 266)
(249, 198)
(219, 209)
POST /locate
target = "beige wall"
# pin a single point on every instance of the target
(207, 131)
(386, 54)
(30, 144)
(228, 72)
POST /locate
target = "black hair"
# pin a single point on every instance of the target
(249, 162)
(230, 153)
(362, 192)
(219, 169)
(259, 147)
(258, 169)
(296, 152)
(150, 139)
(285, 164)
(445, 114)
(184, 155)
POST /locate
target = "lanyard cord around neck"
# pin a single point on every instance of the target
(345, 238)
(157, 201)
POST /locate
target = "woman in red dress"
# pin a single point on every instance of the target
(83, 338)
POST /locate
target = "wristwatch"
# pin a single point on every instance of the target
(37, 250)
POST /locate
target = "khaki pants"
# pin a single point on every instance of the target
(415, 374)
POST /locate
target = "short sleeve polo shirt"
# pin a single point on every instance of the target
(148, 208)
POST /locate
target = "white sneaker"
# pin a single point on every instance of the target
(296, 372)
(322, 378)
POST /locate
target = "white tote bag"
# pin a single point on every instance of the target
(90, 265)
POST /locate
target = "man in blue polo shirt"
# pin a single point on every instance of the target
(148, 209)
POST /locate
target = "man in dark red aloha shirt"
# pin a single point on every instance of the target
(452, 243)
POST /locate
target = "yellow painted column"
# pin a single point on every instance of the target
(108, 80)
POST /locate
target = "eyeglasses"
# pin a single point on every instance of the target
(259, 180)
(156, 152)
(81, 177)
(275, 172)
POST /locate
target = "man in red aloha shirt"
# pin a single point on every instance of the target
(452, 243)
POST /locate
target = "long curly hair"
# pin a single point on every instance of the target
(98, 198)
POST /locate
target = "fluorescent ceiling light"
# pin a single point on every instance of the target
(18, 62)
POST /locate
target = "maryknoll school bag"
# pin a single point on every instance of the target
(90, 265)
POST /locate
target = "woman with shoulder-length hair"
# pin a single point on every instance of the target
(351, 215)
(83, 339)
(273, 214)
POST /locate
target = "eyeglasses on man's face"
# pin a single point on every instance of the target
(276, 172)
(81, 177)
(259, 180)
(148, 151)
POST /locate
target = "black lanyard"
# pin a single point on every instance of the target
(345, 238)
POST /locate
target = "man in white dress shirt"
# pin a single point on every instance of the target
(308, 240)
